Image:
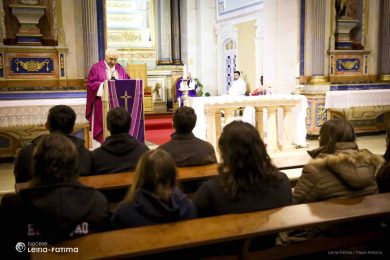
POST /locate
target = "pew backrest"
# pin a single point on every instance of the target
(184, 174)
(148, 240)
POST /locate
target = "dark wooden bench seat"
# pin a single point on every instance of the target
(111, 181)
(185, 174)
(191, 234)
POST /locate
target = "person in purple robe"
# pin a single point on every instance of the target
(192, 86)
(107, 69)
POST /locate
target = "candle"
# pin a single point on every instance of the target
(185, 72)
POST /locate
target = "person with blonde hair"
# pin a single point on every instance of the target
(154, 196)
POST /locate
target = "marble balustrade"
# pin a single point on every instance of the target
(283, 117)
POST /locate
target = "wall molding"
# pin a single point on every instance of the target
(50, 83)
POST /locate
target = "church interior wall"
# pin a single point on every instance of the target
(73, 31)
(230, 18)
(183, 30)
(206, 46)
(327, 36)
(280, 47)
(245, 48)
(308, 37)
(372, 38)
(199, 42)
(189, 44)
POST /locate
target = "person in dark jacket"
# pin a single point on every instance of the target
(56, 206)
(120, 152)
(339, 168)
(154, 197)
(184, 147)
(247, 179)
(61, 119)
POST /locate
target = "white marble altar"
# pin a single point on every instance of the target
(357, 98)
(359, 104)
(283, 129)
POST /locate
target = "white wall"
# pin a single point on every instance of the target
(372, 39)
(280, 46)
(199, 41)
(73, 30)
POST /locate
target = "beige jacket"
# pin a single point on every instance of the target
(348, 172)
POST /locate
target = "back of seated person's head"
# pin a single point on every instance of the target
(334, 131)
(54, 160)
(156, 173)
(383, 178)
(61, 119)
(245, 161)
(118, 121)
(387, 153)
(184, 120)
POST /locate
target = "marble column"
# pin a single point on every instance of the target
(90, 34)
(385, 42)
(176, 50)
(318, 44)
(259, 121)
(164, 32)
(2, 23)
(259, 50)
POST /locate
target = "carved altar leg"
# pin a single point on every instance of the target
(272, 129)
(229, 115)
(213, 126)
(259, 121)
(287, 123)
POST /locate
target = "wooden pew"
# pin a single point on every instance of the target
(123, 180)
(190, 234)
(185, 174)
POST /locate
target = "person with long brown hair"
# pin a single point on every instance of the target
(247, 181)
(154, 196)
(339, 167)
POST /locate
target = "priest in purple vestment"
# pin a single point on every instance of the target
(192, 86)
(106, 69)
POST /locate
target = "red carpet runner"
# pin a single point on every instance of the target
(158, 128)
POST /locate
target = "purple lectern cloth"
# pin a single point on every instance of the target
(116, 90)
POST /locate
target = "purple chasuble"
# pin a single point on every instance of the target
(179, 93)
(96, 76)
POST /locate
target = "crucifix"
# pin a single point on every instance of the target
(126, 97)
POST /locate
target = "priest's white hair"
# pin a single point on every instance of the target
(112, 53)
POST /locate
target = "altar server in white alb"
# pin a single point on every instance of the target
(239, 86)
